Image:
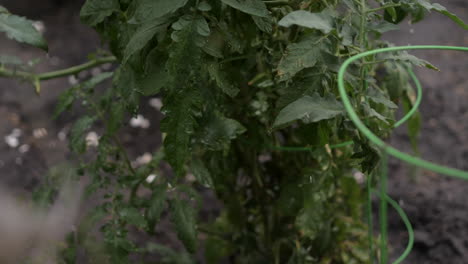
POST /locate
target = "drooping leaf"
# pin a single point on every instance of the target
(22, 30)
(157, 205)
(441, 9)
(184, 219)
(265, 24)
(77, 140)
(147, 10)
(65, 101)
(201, 173)
(222, 80)
(320, 21)
(218, 131)
(179, 125)
(406, 57)
(94, 12)
(379, 97)
(309, 109)
(251, 7)
(141, 37)
(299, 56)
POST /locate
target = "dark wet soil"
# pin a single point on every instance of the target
(435, 204)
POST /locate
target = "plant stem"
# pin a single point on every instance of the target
(382, 7)
(56, 74)
(277, 2)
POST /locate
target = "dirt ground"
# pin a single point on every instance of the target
(435, 204)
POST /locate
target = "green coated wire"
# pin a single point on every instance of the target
(376, 140)
(388, 150)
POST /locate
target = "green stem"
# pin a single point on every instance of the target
(382, 7)
(277, 3)
(56, 74)
(383, 210)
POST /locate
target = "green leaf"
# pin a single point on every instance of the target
(441, 9)
(147, 10)
(184, 219)
(179, 125)
(3, 10)
(142, 36)
(21, 30)
(157, 205)
(309, 109)
(406, 57)
(320, 21)
(133, 216)
(94, 12)
(221, 79)
(65, 101)
(265, 24)
(201, 173)
(218, 132)
(379, 97)
(251, 7)
(304, 54)
(77, 140)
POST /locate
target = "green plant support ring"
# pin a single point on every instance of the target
(389, 150)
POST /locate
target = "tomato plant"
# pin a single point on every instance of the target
(244, 85)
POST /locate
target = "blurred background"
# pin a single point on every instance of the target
(32, 143)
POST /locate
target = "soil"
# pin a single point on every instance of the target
(435, 204)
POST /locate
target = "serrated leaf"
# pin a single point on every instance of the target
(406, 57)
(265, 24)
(157, 205)
(154, 78)
(22, 30)
(77, 140)
(133, 216)
(379, 97)
(309, 109)
(141, 37)
(222, 80)
(251, 7)
(299, 56)
(147, 10)
(94, 12)
(201, 173)
(383, 26)
(320, 21)
(65, 101)
(184, 219)
(179, 125)
(218, 132)
(441, 9)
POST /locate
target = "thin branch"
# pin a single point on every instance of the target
(382, 7)
(4, 72)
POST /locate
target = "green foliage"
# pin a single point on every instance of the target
(240, 80)
(20, 29)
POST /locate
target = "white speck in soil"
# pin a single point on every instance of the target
(150, 178)
(96, 71)
(156, 103)
(190, 177)
(62, 136)
(11, 141)
(24, 148)
(72, 80)
(142, 160)
(139, 121)
(92, 139)
(39, 133)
